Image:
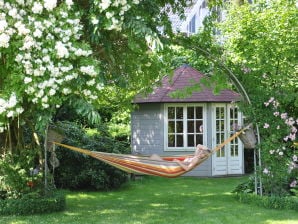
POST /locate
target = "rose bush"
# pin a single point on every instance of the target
(279, 157)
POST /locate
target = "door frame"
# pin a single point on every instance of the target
(228, 163)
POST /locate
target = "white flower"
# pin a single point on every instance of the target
(19, 110)
(295, 158)
(61, 50)
(10, 114)
(12, 101)
(109, 15)
(20, 2)
(50, 4)
(69, 3)
(66, 91)
(45, 99)
(22, 30)
(3, 25)
(266, 171)
(90, 82)
(88, 70)
(284, 116)
(52, 92)
(13, 12)
(37, 33)
(87, 92)
(45, 105)
(27, 80)
(3, 105)
(104, 4)
(4, 39)
(99, 86)
(94, 21)
(46, 58)
(281, 153)
(37, 8)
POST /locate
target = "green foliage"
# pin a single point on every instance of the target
(33, 204)
(260, 48)
(19, 174)
(88, 173)
(273, 202)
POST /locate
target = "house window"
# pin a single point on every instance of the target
(192, 25)
(184, 126)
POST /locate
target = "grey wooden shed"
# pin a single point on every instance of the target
(171, 126)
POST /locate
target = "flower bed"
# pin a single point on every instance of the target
(28, 205)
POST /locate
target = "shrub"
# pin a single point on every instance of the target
(78, 171)
(19, 174)
(33, 204)
(273, 202)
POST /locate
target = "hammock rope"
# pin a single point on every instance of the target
(145, 165)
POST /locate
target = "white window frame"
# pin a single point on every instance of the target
(184, 105)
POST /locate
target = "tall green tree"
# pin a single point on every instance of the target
(98, 51)
(260, 46)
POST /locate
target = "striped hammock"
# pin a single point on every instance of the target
(144, 164)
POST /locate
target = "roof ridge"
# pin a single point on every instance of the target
(176, 78)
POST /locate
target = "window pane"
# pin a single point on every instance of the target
(199, 139)
(222, 126)
(236, 151)
(171, 112)
(222, 152)
(179, 112)
(171, 140)
(179, 141)
(199, 127)
(171, 127)
(190, 140)
(217, 112)
(218, 140)
(199, 113)
(179, 127)
(190, 113)
(217, 126)
(190, 127)
(232, 113)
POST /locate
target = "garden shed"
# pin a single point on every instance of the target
(165, 125)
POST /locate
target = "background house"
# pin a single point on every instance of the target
(168, 126)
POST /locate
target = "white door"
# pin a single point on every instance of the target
(229, 159)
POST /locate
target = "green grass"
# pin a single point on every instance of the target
(156, 200)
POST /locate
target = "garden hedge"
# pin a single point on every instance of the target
(33, 205)
(273, 202)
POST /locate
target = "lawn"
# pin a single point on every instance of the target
(156, 200)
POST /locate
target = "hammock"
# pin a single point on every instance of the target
(145, 165)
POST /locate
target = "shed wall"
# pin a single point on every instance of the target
(147, 131)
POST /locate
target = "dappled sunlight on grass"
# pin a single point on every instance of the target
(159, 205)
(281, 222)
(154, 200)
(80, 196)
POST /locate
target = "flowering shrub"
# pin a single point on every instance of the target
(279, 156)
(43, 59)
(113, 11)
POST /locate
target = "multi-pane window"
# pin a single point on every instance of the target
(184, 126)
(220, 129)
(233, 124)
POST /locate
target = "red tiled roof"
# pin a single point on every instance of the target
(185, 76)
